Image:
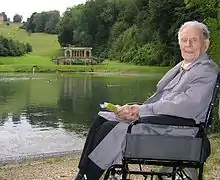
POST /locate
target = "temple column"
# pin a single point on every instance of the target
(74, 54)
(90, 53)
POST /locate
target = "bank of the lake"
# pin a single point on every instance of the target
(108, 66)
(65, 168)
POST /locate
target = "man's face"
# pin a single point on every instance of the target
(192, 43)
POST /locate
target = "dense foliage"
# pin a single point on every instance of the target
(9, 47)
(139, 31)
(17, 18)
(43, 22)
(5, 17)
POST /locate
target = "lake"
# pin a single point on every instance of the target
(51, 113)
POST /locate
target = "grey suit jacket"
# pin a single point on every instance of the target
(185, 93)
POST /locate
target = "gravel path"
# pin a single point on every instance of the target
(47, 169)
(59, 168)
(62, 168)
(65, 168)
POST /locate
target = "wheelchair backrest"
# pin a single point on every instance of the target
(208, 120)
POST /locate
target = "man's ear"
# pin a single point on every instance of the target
(206, 45)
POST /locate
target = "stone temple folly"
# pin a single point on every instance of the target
(72, 54)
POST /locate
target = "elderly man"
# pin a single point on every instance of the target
(184, 91)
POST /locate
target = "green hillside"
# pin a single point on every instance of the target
(44, 46)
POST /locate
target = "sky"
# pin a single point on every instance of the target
(27, 7)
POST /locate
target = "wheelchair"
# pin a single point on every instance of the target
(169, 157)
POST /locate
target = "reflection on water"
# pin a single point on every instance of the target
(52, 113)
(19, 137)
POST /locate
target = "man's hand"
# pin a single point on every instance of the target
(128, 112)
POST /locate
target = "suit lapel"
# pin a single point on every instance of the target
(162, 84)
(168, 77)
(173, 82)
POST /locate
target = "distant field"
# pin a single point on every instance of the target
(43, 44)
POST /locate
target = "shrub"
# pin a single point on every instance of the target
(128, 55)
(28, 47)
(147, 55)
(9, 47)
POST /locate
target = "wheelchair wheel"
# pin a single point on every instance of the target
(192, 173)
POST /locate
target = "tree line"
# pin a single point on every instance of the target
(140, 31)
(16, 18)
(43, 22)
(9, 47)
(46, 21)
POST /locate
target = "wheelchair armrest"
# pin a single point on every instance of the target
(164, 120)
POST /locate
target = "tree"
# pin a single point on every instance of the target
(209, 9)
(51, 25)
(5, 18)
(43, 22)
(17, 18)
(28, 47)
(30, 26)
(68, 24)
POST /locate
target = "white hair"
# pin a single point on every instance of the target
(197, 24)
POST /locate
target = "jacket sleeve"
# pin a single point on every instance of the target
(187, 104)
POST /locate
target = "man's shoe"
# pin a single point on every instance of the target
(80, 177)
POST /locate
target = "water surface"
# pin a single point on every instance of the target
(52, 113)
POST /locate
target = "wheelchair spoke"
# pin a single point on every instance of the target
(186, 175)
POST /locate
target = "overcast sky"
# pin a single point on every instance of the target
(27, 7)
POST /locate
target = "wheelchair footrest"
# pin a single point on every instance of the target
(157, 147)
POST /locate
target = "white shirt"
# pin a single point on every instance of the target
(184, 65)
